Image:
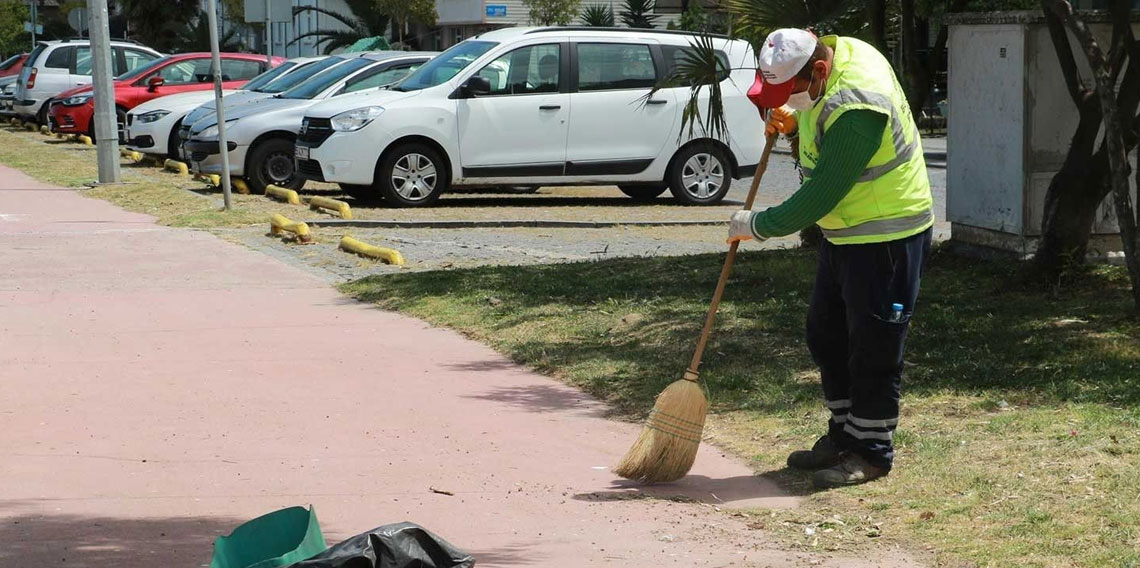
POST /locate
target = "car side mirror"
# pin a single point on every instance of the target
(476, 86)
(154, 83)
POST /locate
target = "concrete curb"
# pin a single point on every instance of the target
(279, 223)
(390, 256)
(504, 224)
(175, 166)
(287, 195)
(340, 207)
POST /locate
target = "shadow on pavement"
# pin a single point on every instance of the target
(541, 398)
(735, 492)
(108, 542)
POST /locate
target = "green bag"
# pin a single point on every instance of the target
(277, 539)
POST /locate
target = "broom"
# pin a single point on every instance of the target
(667, 447)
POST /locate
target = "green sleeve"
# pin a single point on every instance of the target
(851, 143)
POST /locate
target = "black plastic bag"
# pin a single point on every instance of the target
(400, 545)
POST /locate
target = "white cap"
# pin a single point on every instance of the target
(784, 53)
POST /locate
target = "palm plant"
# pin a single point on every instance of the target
(639, 13)
(597, 16)
(365, 21)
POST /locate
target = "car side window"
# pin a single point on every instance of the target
(676, 55)
(524, 71)
(186, 72)
(610, 66)
(135, 59)
(60, 58)
(83, 61)
(238, 70)
(380, 78)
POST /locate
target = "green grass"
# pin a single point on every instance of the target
(174, 200)
(1018, 443)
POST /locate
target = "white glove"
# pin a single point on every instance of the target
(740, 229)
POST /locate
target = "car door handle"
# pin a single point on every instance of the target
(549, 107)
(656, 102)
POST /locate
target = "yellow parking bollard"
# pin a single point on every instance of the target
(279, 223)
(239, 185)
(131, 154)
(176, 166)
(287, 195)
(84, 139)
(45, 130)
(391, 256)
(340, 207)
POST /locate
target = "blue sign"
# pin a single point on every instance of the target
(496, 10)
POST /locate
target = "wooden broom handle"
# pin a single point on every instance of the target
(695, 365)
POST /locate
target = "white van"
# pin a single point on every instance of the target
(61, 65)
(537, 106)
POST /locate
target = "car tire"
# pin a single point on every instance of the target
(412, 175)
(700, 174)
(360, 192)
(643, 192)
(42, 114)
(174, 142)
(270, 161)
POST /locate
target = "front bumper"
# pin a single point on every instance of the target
(343, 157)
(211, 163)
(70, 119)
(199, 149)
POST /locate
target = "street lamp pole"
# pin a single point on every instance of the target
(106, 121)
(223, 141)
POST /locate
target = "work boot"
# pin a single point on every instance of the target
(851, 470)
(822, 455)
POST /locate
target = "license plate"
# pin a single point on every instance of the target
(301, 152)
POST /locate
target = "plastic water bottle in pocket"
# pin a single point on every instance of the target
(896, 313)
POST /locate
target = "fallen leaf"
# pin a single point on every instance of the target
(926, 515)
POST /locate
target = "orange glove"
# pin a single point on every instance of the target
(782, 120)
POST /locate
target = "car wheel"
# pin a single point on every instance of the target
(174, 142)
(271, 162)
(412, 175)
(643, 192)
(42, 114)
(700, 175)
(365, 193)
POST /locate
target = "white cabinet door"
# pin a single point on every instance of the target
(613, 128)
(519, 129)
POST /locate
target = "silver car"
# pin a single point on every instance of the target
(261, 133)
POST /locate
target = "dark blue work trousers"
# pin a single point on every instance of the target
(852, 337)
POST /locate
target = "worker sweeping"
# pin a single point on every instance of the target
(865, 185)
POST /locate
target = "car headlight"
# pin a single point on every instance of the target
(152, 116)
(212, 131)
(355, 119)
(77, 99)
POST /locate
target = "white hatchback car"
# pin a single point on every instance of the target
(537, 106)
(57, 66)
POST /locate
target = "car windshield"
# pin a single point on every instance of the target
(327, 78)
(282, 84)
(445, 66)
(261, 80)
(141, 71)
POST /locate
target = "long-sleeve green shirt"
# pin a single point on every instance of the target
(852, 141)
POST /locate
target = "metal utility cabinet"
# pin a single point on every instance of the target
(1010, 123)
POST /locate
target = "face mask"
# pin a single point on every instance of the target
(803, 101)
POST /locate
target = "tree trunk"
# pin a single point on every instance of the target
(1114, 137)
(915, 77)
(877, 16)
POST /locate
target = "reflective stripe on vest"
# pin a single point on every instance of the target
(903, 150)
(882, 226)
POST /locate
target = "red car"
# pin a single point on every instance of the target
(72, 112)
(12, 65)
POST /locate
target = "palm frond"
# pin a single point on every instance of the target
(699, 68)
(347, 19)
(754, 19)
(598, 16)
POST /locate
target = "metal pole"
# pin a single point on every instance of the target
(33, 18)
(106, 123)
(223, 145)
(268, 36)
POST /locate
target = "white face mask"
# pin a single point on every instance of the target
(803, 101)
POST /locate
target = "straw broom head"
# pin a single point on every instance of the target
(667, 447)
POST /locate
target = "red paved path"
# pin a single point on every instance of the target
(159, 386)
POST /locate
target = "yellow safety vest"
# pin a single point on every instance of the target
(892, 199)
